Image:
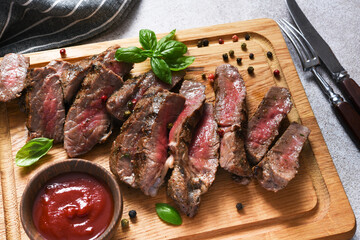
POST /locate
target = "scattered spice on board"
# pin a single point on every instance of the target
(269, 54)
(63, 52)
(231, 53)
(225, 57)
(235, 38)
(124, 223)
(243, 46)
(247, 36)
(250, 70)
(238, 60)
(221, 41)
(205, 42)
(239, 206)
(276, 73)
(132, 214)
(251, 56)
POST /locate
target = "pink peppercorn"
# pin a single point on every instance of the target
(221, 41)
(63, 52)
(235, 38)
(276, 73)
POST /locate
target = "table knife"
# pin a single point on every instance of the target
(347, 85)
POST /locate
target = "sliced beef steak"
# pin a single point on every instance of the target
(87, 122)
(231, 116)
(181, 133)
(138, 155)
(194, 174)
(108, 59)
(13, 70)
(126, 97)
(264, 125)
(71, 77)
(45, 105)
(281, 162)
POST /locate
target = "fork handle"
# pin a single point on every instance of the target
(351, 118)
(351, 90)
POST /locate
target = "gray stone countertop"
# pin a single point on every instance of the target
(337, 21)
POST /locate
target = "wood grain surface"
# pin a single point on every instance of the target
(313, 205)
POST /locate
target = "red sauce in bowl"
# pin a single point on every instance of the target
(73, 206)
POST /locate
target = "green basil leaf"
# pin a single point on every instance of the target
(172, 49)
(147, 39)
(168, 37)
(147, 53)
(130, 54)
(177, 64)
(32, 151)
(161, 69)
(168, 213)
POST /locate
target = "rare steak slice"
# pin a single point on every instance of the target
(264, 125)
(108, 59)
(195, 173)
(281, 162)
(87, 122)
(133, 90)
(181, 133)
(13, 70)
(45, 105)
(231, 116)
(71, 77)
(138, 155)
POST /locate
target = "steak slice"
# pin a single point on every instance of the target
(138, 155)
(181, 133)
(281, 162)
(71, 77)
(231, 116)
(195, 173)
(45, 105)
(264, 125)
(87, 122)
(13, 70)
(134, 89)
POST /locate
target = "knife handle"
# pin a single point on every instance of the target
(351, 90)
(352, 119)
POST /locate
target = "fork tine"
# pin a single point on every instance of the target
(301, 35)
(294, 42)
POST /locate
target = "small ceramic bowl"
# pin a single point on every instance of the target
(70, 165)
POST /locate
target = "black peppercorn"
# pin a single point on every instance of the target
(124, 223)
(205, 42)
(130, 104)
(238, 60)
(231, 53)
(269, 54)
(247, 36)
(239, 206)
(250, 70)
(251, 56)
(243, 46)
(132, 214)
(203, 76)
(200, 43)
(225, 56)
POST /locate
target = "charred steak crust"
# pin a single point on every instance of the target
(264, 125)
(45, 105)
(231, 116)
(13, 71)
(194, 176)
(87, 122)
(71, 77)
(138, 155)
(134, 89)
(281, 162)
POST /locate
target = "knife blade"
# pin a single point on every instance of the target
(347, 85)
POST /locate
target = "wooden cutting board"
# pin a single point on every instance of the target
(313, 205)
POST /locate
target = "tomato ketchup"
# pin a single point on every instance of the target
(73, 206)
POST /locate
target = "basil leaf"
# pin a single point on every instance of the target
(147, 39)
(161, 69)
(130, 54)
(172, 49)
(168, 213)
(168, 37)
(32, 151)
(177, 64)
(147, 53)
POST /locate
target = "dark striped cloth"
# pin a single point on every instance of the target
(34, 25)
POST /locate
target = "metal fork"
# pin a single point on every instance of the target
(309, 61)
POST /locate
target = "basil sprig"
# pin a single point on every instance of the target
(166, 54)
(32, 151)
(168, 213)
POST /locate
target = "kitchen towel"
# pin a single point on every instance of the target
(34, 25)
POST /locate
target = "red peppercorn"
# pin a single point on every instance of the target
(221, 41)
(104, 98)
(276, 73)
(63, 52)
(211, 76)
(235, 38)
(134, 101)
(221, 132)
